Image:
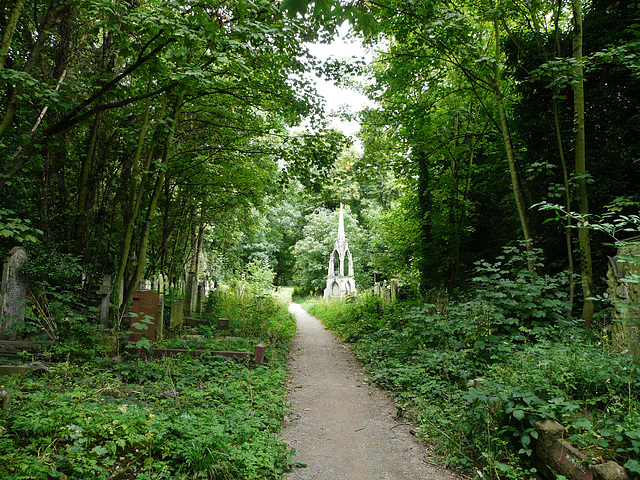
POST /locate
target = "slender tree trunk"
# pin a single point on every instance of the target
(157, 190)
(83, 203)
(584, 241)
(13, 103)
(565, 170)
(508, 145)
(199, 245)
(455, 215)
(424, 209)
(136, 193)
(8, 31)
(167, 227)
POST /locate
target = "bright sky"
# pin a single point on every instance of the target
(336, 97)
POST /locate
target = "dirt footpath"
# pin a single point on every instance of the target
(341, 427)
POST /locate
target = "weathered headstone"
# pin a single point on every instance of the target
(13, 293)
(394, 290)
(145, 310)
(624, 290)
(202, 297)
(105, 300)
(191, 294)
(177, 314)
(258, 354)
(386, 292)
(223, 324)
(160, 316)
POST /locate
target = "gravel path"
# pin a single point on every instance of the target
(341, 427)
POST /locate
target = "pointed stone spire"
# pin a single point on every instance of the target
(338, 285)
(341, 236)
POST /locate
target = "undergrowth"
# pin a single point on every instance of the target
(476, 375)
(174, 418)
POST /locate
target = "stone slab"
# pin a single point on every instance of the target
(145, 305)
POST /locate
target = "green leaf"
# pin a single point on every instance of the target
(518, 414)
(582, 423)
(293, 7)
(322, 8)
(100, 450)
(633, 466)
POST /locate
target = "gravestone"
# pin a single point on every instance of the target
(624, 291)
(394, 290)
(191, 295)
(13, 293)
(105, 300)
(202, 298)
(386, 292)
(160, 316)
(177, 314)
(145, 310)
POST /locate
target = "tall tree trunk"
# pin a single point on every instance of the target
(424, 209)
(83, 204)
(565, 171)
(508, 145)
(167, 228)
(136, 193)
(586, 267)
(157, 190)
(455, 213)
(7, 33)
(556, 123)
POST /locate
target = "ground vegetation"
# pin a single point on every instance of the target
(94, 411)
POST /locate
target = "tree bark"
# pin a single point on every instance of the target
(146, 228)
(8, 31)
(135, 199)
(508, 145)
(586, 267)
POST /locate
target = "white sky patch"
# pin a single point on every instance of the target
(338, 98)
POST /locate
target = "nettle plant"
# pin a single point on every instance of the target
(512, 304)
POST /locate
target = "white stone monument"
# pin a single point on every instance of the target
(339, 284)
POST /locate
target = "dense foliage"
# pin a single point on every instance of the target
(139, 138)
(134, 136)
(173, 418)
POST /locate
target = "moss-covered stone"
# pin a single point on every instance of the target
(624, 290)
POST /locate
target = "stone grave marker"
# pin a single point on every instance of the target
(105, 300)
(202, 297)
(160, 316)
(192, 293)
(177, 314)
(394, 290)
(145, 306)
(13, 293)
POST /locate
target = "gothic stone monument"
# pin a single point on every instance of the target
(339, 284)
